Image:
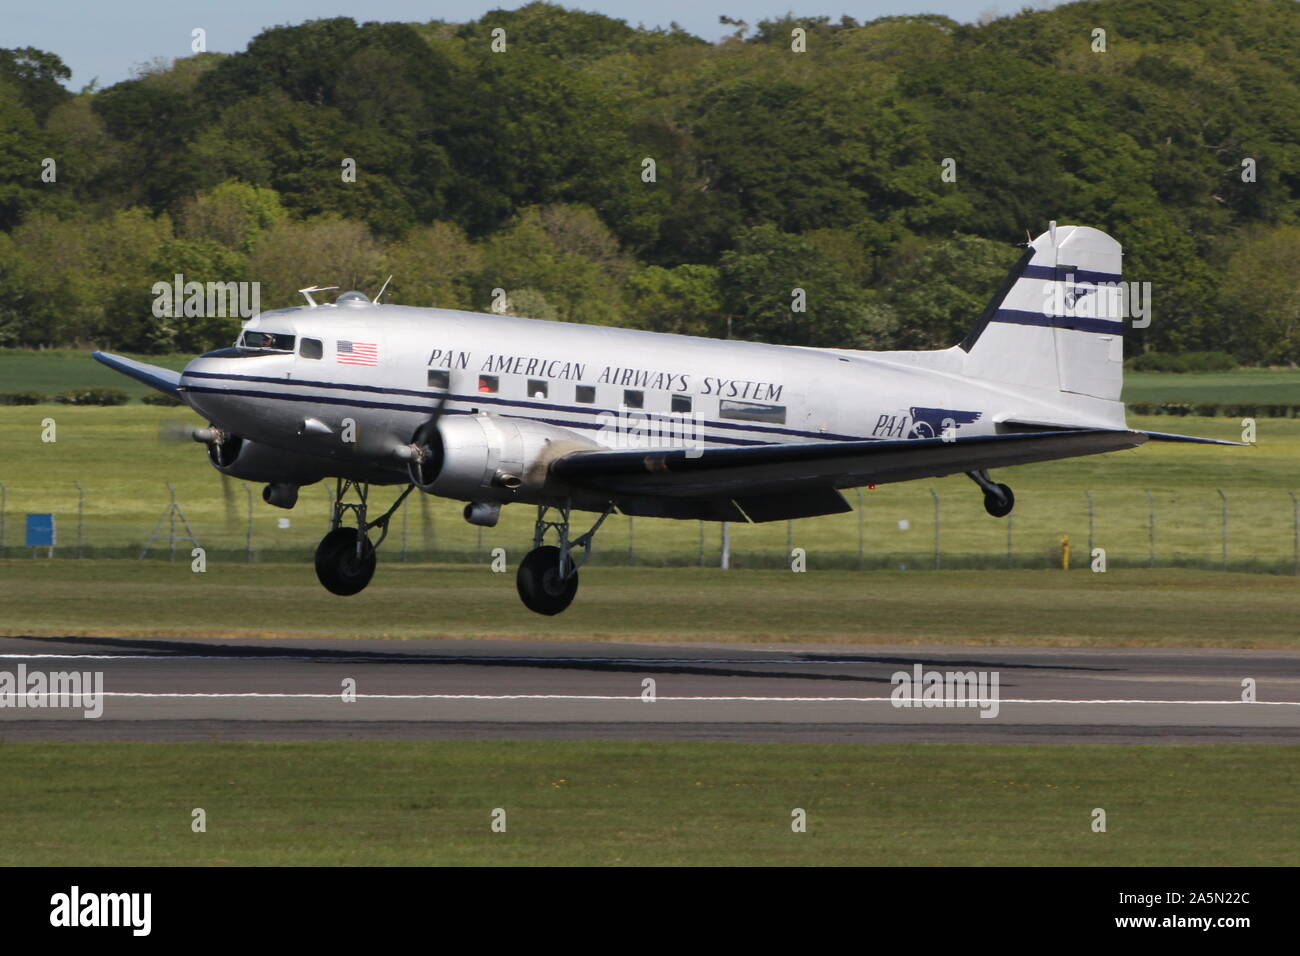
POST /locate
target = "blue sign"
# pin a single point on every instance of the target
(40, 531)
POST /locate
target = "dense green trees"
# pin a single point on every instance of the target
(601, 172)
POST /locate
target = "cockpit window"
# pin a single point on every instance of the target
(271, 341)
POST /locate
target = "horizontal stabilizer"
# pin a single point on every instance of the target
(1165, 436)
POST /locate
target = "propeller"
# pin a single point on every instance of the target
(426, 448)
(174, 430)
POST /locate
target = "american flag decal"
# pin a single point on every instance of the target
(357, 353)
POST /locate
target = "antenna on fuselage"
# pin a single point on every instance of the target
(306, 293)
(382, 289)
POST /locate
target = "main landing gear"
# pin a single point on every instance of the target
(345, 557)
(998, 499)
(547, 579)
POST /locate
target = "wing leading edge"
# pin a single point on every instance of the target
(163, 379)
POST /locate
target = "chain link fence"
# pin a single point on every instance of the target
(909, 526)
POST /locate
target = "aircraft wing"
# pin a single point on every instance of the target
(163, 379)
(818, 468)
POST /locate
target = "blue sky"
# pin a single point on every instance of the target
(107, 38)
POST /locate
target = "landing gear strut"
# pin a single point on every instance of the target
(998, 499)
(547, 579)
(345, 557)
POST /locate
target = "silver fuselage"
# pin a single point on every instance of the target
(822, 395)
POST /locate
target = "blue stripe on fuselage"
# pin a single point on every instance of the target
(473, 399)
(393, 406)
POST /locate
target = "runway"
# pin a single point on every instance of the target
(341, 689)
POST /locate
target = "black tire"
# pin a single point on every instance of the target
(337, 565)
(999, 505)
(539, 583)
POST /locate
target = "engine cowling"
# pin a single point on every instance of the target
(241, 458)
(487, 458)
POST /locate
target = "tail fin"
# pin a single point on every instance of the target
(1057, 323)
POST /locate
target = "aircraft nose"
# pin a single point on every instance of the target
(209, 379)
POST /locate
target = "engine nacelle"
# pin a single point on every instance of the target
(484, 458)
(241, 458)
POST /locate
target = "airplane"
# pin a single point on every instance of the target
(494, 409)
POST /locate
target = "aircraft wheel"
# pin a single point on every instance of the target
(999, 505)
(337, 564)
(539, 583)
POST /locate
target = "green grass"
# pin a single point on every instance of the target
(56, 370)
(607, 803)
(1127, 607)
(1242, 386)
(115, 455)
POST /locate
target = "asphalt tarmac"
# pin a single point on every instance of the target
(182, 689)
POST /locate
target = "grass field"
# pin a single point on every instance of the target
(1130, 607)
(1242, 386)
(605, 803)
(56, 370)
(123, 469)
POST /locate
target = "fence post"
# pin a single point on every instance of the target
(405, 513)
(248, 542)
(426, 528)
(1089, 496)
(81, 514)
(1009, 521)
(935, 496)
(4, 501)
(701, 544)
(725, 563)
(171, 519)
(1151, 528)
(1224, 534)
(1295, 534)
(861, 533)
(631, 541)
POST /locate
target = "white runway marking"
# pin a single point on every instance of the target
(658, 699)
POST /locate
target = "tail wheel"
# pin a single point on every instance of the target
(540, 584)
(338, 565)
(999, 504)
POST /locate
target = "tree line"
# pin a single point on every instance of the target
(601, 172)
